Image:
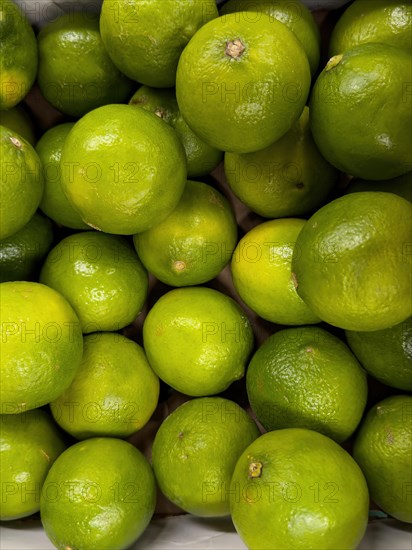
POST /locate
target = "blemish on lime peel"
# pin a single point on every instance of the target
(179, 265)
(234, 48)
(255, 469)
(333, 61)
(16, 142)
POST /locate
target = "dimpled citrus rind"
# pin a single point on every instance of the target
(351, 261)
(304, 488)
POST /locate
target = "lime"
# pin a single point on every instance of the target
(145, 39)
(99, 494)
(198, 340)
(54, 202)
(351, 263)
(241, 84)
(195, 242)
(76, 73)
(123, 169)
(21, 254)
(114, 392)
(288, 178)
(296, 488)
(21, 184)
(307, 378)
(360, 112)
(387, 21)
(18, 120)
(201, 157)
(41, 345)
(383, 449)
(386, 354)
(262, 275)
(292, 13)
(402, 186)
(18, 55)
(195, 452)
(30, 443)
(101, 276)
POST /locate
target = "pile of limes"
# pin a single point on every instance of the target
(206, 269)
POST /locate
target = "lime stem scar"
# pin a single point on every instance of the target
(234, 48)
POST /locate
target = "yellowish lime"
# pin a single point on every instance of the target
(195, 242)
(197, 340)
(262, 274)
(123, 169)
(30, 443)
(41, 345)
(114, 392)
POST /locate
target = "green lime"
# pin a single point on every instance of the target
(201, 157)
(383, 449)
(307, 378)
(195, 452)
(76, 73)
(18, 120)
(22, 254)
(21, 183)
(360, 112)
(102, 278)
(288, 178)
(114, 392)
(297, 488)
(99, 494)
(352, 264)
(145, 39)
(262, 275)
(18, 55)
(387, 21)
(386, 354)
(41, 345)
(54, 202)
(198, 340)
(123, 169)
(402, 186)
(242, 84)
(195, 242)
(292, 13)
(30, 443)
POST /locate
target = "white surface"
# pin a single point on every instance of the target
(188, 532)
